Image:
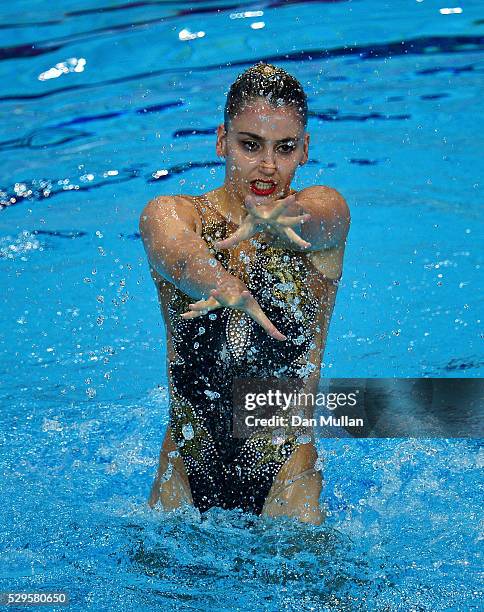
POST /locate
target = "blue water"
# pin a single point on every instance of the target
(394, 92)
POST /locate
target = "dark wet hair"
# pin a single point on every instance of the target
(274, 84)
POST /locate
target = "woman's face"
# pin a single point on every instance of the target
(263, 148)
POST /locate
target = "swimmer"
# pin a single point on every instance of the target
(246, 276)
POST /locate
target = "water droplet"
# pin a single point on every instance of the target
(211, 394)
(187, 431)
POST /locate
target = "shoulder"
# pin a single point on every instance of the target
(169, 207)
(329, 198)
(162, 204)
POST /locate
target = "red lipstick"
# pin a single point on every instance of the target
(257, 189)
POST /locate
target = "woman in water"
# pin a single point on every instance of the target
(246, 276)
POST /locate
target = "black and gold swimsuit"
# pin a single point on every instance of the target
(211, 350)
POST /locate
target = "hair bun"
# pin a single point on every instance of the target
(263, 80)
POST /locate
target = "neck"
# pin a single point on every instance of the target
(229, 203)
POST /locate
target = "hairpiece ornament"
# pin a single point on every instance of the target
(266, 70)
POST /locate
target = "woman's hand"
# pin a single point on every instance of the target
(229, 296)
(271, 217)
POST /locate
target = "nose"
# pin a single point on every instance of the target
(268, 163)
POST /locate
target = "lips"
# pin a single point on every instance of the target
(263, 188)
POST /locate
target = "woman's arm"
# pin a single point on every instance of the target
(168, 228)
(315, 219)
(329, 223)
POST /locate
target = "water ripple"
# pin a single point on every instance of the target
(40, 189)
(426, 45)
(334, 115)
(43, 138)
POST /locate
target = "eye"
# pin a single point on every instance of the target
(286, 147)
(250, 145)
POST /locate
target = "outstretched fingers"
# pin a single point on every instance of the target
(240, 302)
(280, 207)
(193, 314)
(246, 230)
(291, 221)
(255, 312)
(293, 237)
(244, 302)
(202, 307)
(248, 304)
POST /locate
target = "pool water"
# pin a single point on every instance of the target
(104, 108)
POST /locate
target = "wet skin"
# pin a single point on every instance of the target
(260, 144)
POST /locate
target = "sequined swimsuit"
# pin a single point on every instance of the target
(212, 350)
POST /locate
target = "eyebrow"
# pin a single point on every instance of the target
(256, 137)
